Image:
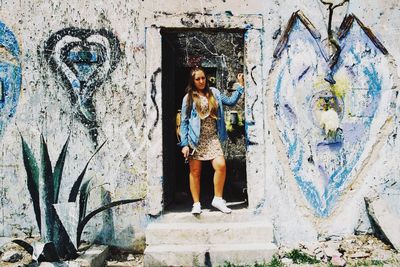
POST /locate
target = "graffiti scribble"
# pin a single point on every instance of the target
(153, 99)
(84, 59)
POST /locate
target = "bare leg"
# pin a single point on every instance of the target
(219, 166)
(194, 178)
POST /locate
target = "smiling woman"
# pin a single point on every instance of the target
(202, 130)
(220, 55)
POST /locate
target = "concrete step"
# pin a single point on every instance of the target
(207, 255)
(209, 233)
(208, 216)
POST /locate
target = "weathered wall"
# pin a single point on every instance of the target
(101, 95)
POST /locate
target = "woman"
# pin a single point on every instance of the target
(202, 130)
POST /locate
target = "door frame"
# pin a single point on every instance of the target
(252, 25)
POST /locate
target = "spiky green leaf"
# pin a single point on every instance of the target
(75, 188)
(83, 197)
(86, 219)
(46, 173)
(58, 169)
(32, 172)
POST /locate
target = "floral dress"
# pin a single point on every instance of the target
(209, 145)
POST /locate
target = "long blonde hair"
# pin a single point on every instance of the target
(193, 95)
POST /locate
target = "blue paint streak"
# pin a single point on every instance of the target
(277, 93)
(374, 83)
(356, 57)
(307, 187)
(10, 77)
(11, 85)
(76, 85)
(83, 56)
(8, 40)
(293, 147)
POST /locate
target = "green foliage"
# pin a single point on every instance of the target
(299, 257)
(32, 172)
(275, 262)
(370, 263)
(51, 230)
(57, 242)
(75, 188)
(58, 169)
(46, 172)
(83, 198)
(377, 262)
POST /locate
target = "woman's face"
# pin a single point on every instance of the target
(199, 80)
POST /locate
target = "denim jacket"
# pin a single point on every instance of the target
(190, 127)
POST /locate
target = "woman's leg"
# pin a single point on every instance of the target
(219, 166)
(194, 179)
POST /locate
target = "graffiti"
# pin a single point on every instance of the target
(60, 223)
(153, 99)
(10, 75)
(251, 74)
(83, 59)
(325, 126)
(333, 59)
(298, 15)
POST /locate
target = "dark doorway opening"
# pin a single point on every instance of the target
(220, 53)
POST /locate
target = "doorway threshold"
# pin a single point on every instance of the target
(206, 207)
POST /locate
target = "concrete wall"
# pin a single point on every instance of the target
(107, 101)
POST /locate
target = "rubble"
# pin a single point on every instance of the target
(11, 256)
(359, 255)
(338, 261)
(120, 258)
(345, 251)
(356, 250)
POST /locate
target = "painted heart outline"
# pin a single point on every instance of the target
(84, 59)
(10, 75)
(323, 163)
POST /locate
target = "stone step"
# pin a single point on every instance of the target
(207, 255)
(209, 233)
(208, 216)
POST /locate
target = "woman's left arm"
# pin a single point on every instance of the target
(234, 98)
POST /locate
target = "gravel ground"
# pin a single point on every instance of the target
(357, 250)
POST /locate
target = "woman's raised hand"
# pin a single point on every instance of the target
(240, 79)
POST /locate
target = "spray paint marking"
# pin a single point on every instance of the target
(10, 75)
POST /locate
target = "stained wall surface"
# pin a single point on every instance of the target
(78, 69)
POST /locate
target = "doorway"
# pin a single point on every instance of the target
(221, 54)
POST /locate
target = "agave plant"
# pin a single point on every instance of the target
(63, 223)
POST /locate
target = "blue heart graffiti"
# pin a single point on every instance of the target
(10, 76)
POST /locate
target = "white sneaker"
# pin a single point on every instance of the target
(196, 208)
(220, 204)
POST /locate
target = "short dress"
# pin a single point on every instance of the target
(209, 146)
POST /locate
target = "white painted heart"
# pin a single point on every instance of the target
(323, 163)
